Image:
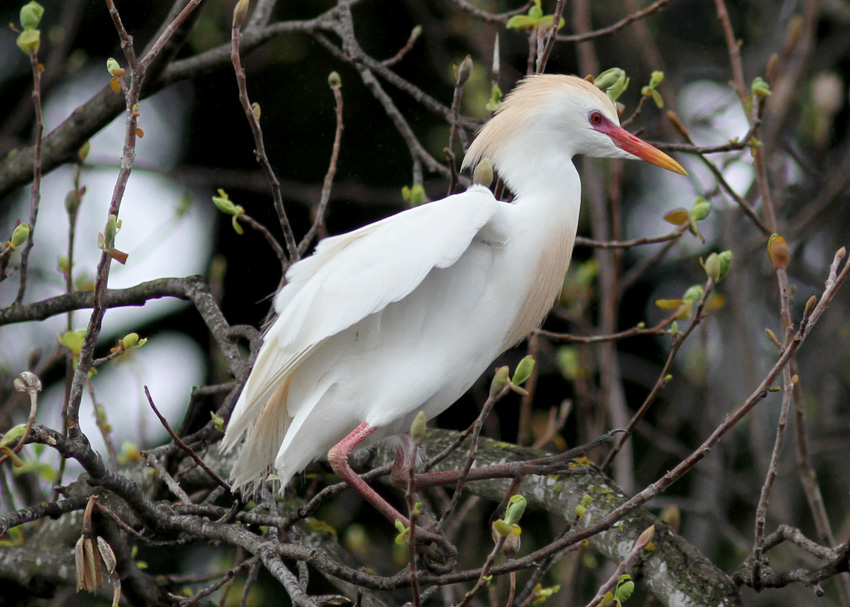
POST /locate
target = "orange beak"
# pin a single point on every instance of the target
(640, 148)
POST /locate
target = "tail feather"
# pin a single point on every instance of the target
(264, 437)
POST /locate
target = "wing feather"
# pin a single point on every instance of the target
(354, 275)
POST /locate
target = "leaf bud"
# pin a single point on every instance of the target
(504, 529)
(130, 340)
(84, 150)
(810, 305)
(31, 15)
(239, 12)
(691, 299)
(778, 252)
(256, 110)
(625, 588)
(114, 68)
(500, 380)
(523, 371)
(656, 78)
(515, 509)
(29, 40)
(464, 70)
(334, 81)
(761, 88)
(13, 434)
(417, 428)
(700, 210)
(613, 81)
(414, 196)
(712, 266)
(495, 99)
(540, 594)
(223, 203)
(20, 235)
(725, 263)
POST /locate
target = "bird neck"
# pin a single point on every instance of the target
(546, 215)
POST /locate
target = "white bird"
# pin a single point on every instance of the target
(403, 315)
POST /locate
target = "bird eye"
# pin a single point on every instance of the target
(596, 118)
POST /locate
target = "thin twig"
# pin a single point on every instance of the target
(318, 227)
(614, 27)
(256, 131)
(473, 449)
(662, 380)
(35, 188)
(189, 451)
(414, 36)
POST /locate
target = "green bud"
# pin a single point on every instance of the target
(608, 78)
(483, 173)
(334, 81)
(581, 511)
(523, 370)
(29, 40)
(414, 196)
(13, 434)
(256, 110)
(625, 588)
(218, 422)
(500, 380)
(541, 595)
(113, 226)
(417, 428)
(20, 235)
(523, 22)
(31, 15)
(464, 70)
(73, 340)
(725, 263)
(504, 529)
(515, 509)
(131, 341)
(536, 11)
(693, 294)
(700, 210)
(84, 150)
(656, 78)
(712, 266)
(114, 68)
(586, 500)
(223, 203)
(495, 99)
(613, 81)
(761, 88)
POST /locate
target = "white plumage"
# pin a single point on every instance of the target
(405, 314)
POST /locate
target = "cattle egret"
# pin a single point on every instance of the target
(403, 315)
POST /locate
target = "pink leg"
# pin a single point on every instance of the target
(338, 458)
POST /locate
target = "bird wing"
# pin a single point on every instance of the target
(357, 274)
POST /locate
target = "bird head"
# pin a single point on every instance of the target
(546, 120)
